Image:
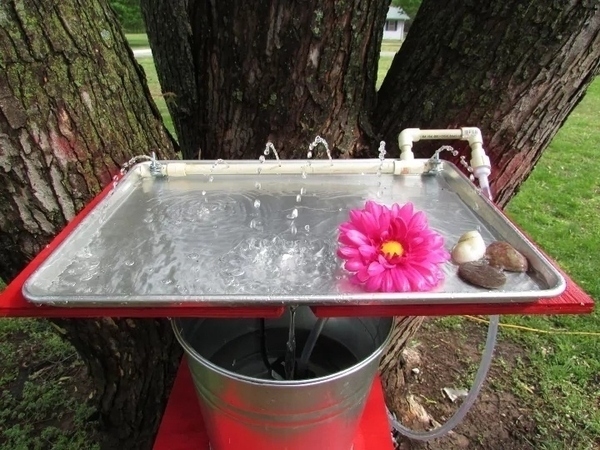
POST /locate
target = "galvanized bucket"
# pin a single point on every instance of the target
(244, 410)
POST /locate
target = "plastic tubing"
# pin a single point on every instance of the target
(460, 413)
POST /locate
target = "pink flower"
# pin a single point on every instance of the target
(391, 250)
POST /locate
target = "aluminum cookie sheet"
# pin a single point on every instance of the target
(240, 233)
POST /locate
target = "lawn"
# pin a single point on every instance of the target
(138, 40)
(559, 206)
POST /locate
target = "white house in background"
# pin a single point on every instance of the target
(394, 23)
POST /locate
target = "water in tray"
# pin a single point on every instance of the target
(201, 237)
(185, 236)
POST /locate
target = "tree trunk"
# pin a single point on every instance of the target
(392, 376)
(283, 71)
(74, 107)
(515, 69)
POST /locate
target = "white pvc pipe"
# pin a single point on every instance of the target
(479, 160)
(293, 167)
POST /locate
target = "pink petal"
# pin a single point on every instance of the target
(388, 284)
(357, 237)
(398, 228)
(406, 212)
(371, 224)
(374, 283)
(367, 251)
(362, 275)
(384, 221)
(374, 208)
(375, 269)
(418, 221)
(384, 262)
(348, 252)
(401, 284)
(354, 265)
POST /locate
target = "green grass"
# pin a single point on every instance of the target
(390, 46)
(137, 40)
(384, 65)
(152, 78)
(559, 206)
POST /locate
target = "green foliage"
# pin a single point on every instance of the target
(410, 7)
(130, 15)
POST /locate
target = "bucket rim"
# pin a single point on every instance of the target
(190, 351)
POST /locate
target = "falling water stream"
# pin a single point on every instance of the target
(293, 367)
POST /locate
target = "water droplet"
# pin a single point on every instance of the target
(203, 192)
(129, 263)
(259, 170)
(267, 151)
(302, 191)
(303, 174)
(293, 228)
(261, 159)
(210, 179)
(298, 198)
(379, 194)
(293, 214)
(88, 276)
(256, 224)
(193, 256)
(309, 155)
(257, 203)
(307, 228)
(257, 185)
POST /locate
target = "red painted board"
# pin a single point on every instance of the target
(182, 428)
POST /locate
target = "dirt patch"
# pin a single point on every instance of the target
(444, 356)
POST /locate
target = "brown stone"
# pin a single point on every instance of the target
(505, 256)
(480, 273)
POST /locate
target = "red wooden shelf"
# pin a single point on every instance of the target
(182, 428)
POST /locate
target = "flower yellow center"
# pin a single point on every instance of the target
(391, 249)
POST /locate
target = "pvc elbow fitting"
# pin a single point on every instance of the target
(405, 142)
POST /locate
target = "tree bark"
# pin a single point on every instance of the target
(240, 74)
(74, 106)
(515, 69)
(392, 376)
